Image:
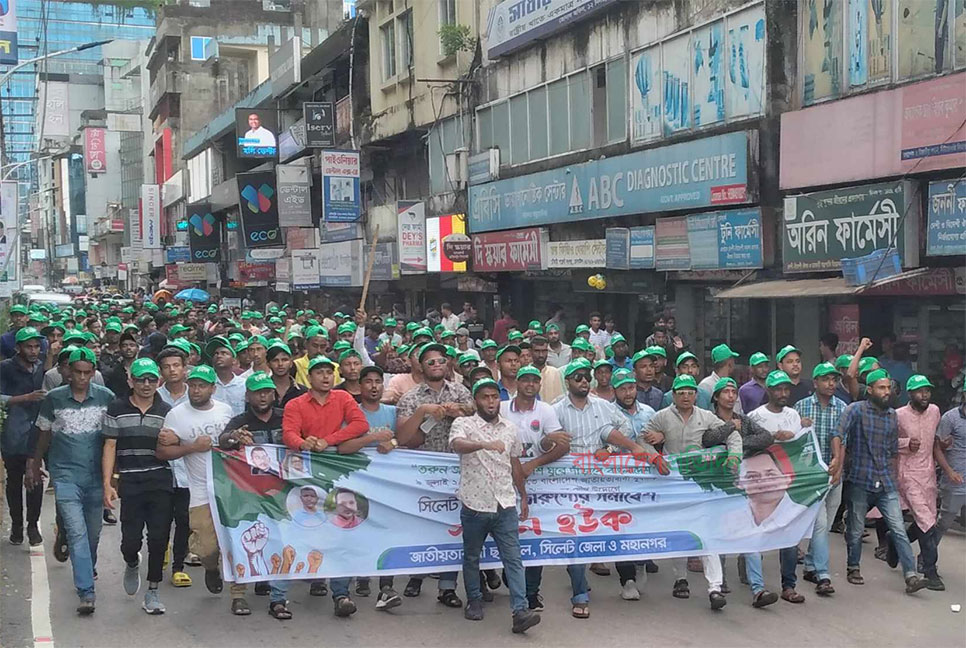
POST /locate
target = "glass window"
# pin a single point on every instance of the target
(519, 150)
(559, 122)
(388, 50)
(580, 116)
(501, 129)
(198, 45)
(406, 40)
(538, 123)
(484, 124)
(616, 101)
(447, 16)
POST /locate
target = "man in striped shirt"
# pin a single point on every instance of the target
(144, 482)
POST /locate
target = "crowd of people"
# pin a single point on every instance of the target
(125, 402)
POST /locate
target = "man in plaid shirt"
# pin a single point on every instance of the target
(871, 430)
(823, 410)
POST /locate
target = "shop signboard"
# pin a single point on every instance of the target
(411, 236)
(820, 229)
(618, 248)
(590, 253)
(8, 33)
(319, 124)
(671, 250)
(709, 172)
(248, 272)
(385, 266)
(193, 271)
(258, 203)
(95, 150)
(177, 254)
(728, 240)
(642, 248)
(340, 186)
(843, 320)
(441, 253)
(511, 251)
(946, 221)
(513, 24)
(204, 233)
(294, 195)
(305, 269)
(340, 264)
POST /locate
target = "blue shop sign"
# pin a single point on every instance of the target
(946, 224)
(708, 172)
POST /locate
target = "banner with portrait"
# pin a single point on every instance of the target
(283, 514)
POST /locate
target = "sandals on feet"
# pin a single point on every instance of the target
(854, 577)
(239, 607)
(824, 587)
(790, 595)
(413, 588)
(449, 599)
(681, 589)
(279, 610)
(580, 611)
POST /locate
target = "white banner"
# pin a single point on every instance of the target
(305, 269)
(151, 216)
(577, 254)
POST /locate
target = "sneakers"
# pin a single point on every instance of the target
(935, 583)
(318, 588)
(344, 606)
(473, 610)
(263, 588)
(535, 602)
(109, 517)
(61, 549)
(718, 600)
(387, 599)
(629, 591)
(86, 607)
(681, 589)
(16, 536)
(914, 584)
(33, 535)
(213, 581)
(132, 577)
(362, 588)
(152, 602)
(524, 620)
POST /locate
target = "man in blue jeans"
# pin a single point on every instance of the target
(69, 433)
(869, 430)
(490, 450)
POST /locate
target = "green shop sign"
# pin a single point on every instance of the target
(820, 229)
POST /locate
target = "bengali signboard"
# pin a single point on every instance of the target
(946, 220)
(642, 248)
(843, 320)
(820, 229)
(512, 251)
(385, 266)
(618, 244)
(671, 250)
(294, 195)
(577, 254)
(341, 200)
(305, 269)
(411, 236)
(340, 264)
(95, 150)
(707, 172)
(513, 24)
(725, 240)
(249, 272)
(8, 33)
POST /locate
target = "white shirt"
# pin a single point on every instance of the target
(263, 136)
(589, 427)
(486, 477)
(232, 393)
(559, 358)
(788, 419)
(741, 524)
(190, 423)
(177, 465)
(600, 338)
(451, 322)
(708, 386)
(532, 425)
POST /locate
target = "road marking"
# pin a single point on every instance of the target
(40, 600)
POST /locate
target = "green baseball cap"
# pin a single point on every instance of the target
(241, 345)
(513, 336)
(203, 372)
(685, 381)
(181, 344)
(866, 363)
(510, 347)
(277, 347)
(640, 355)
(215, 343)
(178, 329)
(452, 352)
(320, 360)
(918, 381)
(258, 381)
(348, 353)
(582, 345)
(656, 350)
(466, 357)
(602, 363)
(414, 350)
(528, 370)
(312, 331)
(484, 382)
(757, 358)
(843, 361)
(412, 326)
(432, 346)
(235, 338)
(684, 356)
(553, 326)
(582, 328)
(878, 374)
(18, 309)
(825, 369)
(389, 321)
(777, 377)
(37, 317)
(446, 335)
(423, 331)
(488, 344)
(145, 367)
(785, 350)
(577, 365)
(258, 339)
(346, 327)
(82, 354)
(65, 352)
(341, 345)
(622, 377)
(112, 327)
(721, 353)
(617, 337)
(27, 333)
(724, 382)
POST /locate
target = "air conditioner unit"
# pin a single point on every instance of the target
(456, 167)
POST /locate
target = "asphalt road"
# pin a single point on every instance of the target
(877, 614)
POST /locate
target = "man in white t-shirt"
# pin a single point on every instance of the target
(257, 134)
(784, 423)
(190, 429)
(543, 441)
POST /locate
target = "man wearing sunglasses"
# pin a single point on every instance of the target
(144, 482)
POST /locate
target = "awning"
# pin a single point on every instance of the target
(795, 288)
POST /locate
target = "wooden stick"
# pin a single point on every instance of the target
(372, 260)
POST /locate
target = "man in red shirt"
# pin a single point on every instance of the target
(502, 326)
(315, 421)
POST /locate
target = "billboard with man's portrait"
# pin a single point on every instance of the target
(257, 132)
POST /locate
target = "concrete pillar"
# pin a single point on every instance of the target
(808, 328)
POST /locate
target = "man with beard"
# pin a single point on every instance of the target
(918, 422)
(279, 357)
(869, 430)
(401, 384)
(488, 349)
(229, 388)
(260, 423)
(643, 364)
(144, 482)
(8, 341)
(551, 380)
(558, 353)
(117, 379)
(426, 414)
(490, 469)
(110, 351)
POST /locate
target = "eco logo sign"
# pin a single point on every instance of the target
(259, 200)
(203, 225)
(203, 235)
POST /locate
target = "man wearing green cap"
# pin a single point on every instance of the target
(620, 351)
(842, 391)
(110, 352)
(69, 440)
(508, 359)
(8, 341)
(822, 411)
(869, 432)
(490, 471)
(229, 388)
(558, 353)
(59, 374)
(116, 380)
(144, 482)
(643, 364)
(723, 363)
(488, 349)
(190, 430)
(260, 423)
(918, 422)
(681, 428)
(790, 361)
(316, 344)
(389, 332)
(21, 386)
(753, 393)
(592, 423)
(426, 414)
(687, 365)
(279, 357)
